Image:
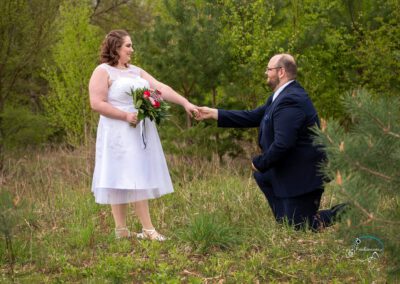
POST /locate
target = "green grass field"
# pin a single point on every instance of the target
(220, 227)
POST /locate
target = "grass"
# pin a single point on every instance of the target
(221, 230)
(208, 231)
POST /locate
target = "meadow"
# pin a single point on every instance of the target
(214, 53)
(220, 227)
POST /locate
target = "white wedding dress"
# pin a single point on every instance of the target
(126, 170)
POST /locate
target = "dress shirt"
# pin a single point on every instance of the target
(280, 90)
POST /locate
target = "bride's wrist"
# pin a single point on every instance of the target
(186, 103)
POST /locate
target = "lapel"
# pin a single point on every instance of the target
(269, 101)
(268, 105)
(280, 97)
(269, 110)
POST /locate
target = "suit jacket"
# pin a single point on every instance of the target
(289, 161)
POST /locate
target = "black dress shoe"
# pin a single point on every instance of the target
(338, 210)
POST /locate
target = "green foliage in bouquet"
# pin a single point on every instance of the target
(149, 103)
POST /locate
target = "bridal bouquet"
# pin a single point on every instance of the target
(149, 103)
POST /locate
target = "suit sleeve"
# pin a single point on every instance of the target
(241, 118)
(288, 119)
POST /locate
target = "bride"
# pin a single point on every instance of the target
(125, 170)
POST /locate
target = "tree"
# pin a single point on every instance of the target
(364, 164)
(342, 45)
(215, 64)
(338, 45)
(170, 50)
(73, 60)
(185, 49)
(116, 14)
(249, 35)
(26, 34)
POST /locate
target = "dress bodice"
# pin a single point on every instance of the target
(122, 82)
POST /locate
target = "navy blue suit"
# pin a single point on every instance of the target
(288, 167)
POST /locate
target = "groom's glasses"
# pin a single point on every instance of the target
(269, 69)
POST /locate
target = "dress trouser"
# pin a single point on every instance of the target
(300, 211)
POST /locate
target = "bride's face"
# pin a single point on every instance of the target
(125, 51)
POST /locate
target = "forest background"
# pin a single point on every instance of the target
(214, 53)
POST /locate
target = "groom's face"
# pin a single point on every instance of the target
(273, 80)
(272, 74)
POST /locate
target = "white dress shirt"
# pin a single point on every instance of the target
(280, 90)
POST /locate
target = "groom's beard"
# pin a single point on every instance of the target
(273, 83)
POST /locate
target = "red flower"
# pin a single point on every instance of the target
(156, 104)
(150, 104)
(146, 94)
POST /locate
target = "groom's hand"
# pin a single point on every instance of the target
(207, 113)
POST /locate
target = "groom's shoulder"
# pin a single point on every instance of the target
(296, 87)
(294, 94)
(296, 91)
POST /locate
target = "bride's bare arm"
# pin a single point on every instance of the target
(168, 93)
(98, 90)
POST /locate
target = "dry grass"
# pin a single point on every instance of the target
(63, 236)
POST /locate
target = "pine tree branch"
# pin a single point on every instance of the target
(329, 139)
(370, 215)
(386, 130)
(388, 178)
(375, 173)
(392, 133)
(358, 205)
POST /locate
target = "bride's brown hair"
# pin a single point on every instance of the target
(112, 42)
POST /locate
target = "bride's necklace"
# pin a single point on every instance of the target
(121, 67)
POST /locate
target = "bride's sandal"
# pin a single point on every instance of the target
(122, 233)
(151, 234)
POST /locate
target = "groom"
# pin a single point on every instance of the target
(287, 171)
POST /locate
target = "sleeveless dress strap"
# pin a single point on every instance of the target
(115, 73)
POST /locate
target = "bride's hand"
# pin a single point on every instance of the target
(131, 117)
(207, 113)
(191, 109)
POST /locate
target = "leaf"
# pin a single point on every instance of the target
(134, 95)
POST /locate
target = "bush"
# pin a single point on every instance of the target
(22, 127)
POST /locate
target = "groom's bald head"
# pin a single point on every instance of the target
(288, 63)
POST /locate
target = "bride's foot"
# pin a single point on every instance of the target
(122, 233)
(151, 234)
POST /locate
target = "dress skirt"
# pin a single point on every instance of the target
(130, 164)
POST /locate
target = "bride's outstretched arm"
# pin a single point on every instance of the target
(169, 94)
